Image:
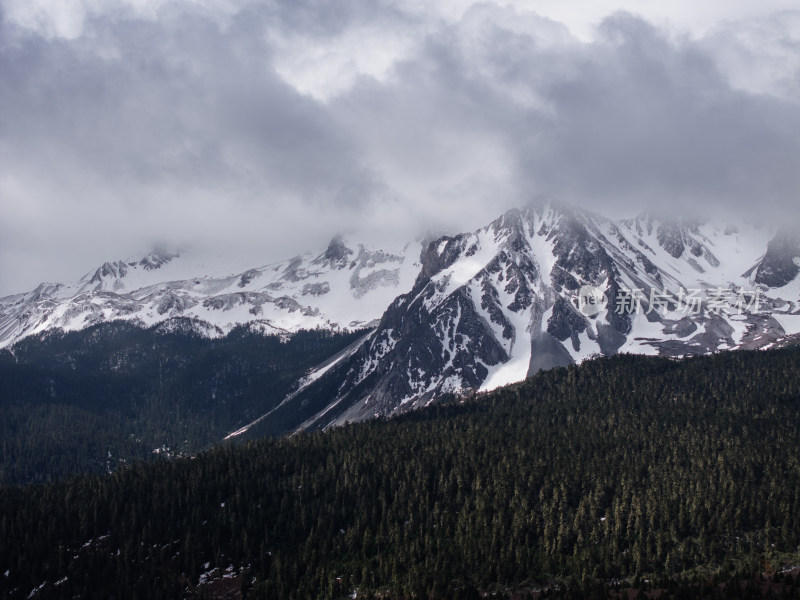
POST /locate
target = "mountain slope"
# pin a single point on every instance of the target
(541, 286)
(623, 467)
(491, 307)
(346, 287)
(89, 401)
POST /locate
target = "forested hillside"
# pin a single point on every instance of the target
(88, 401)
(626, 468)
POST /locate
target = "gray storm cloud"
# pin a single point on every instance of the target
(265, 128)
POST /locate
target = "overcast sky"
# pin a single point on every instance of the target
(264, 127)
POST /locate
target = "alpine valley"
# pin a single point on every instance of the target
(373, 332)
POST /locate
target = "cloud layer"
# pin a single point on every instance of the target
(264, 127)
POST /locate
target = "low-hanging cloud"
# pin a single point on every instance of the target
(264, 128)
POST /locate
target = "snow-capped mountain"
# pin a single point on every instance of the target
(491, 307)
(349, 285)
(541, 286)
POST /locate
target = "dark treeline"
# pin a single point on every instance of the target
(626, 468)
(87, 401)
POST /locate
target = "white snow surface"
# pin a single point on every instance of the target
(715, 256)
(305, 292)
(518, 347)
(353, 282)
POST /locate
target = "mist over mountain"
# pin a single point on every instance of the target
(541, 286)
(257, 129)
(375, 299)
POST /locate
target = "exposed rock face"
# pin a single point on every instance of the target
(349, 285)
(781, 264)
(670, 238)
(566, 323)
(496, 305)
(116, 270)
(155, 260)
(337, 254)
(465, 312)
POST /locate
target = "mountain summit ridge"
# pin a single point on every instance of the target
(464, 312)
(304, 292)
(496, 305)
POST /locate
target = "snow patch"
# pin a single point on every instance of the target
(789, 322)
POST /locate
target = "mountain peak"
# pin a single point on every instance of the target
(338, 253)
(781, 263)
(156, 259)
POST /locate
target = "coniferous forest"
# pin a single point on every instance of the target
(654, 476)
(88, 401)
